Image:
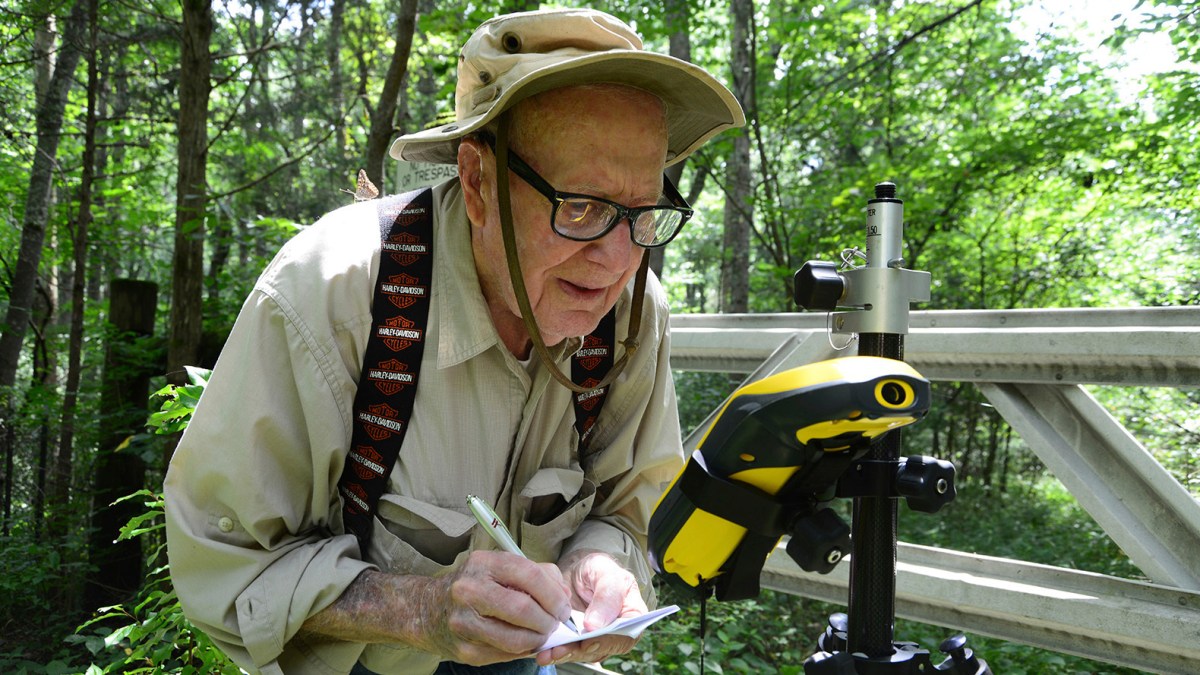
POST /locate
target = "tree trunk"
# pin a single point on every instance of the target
(259, 119)
(681, 48)
(337, 94)
(970, 427)
(64, 459)
(304, 47)
(1005, 462)
(9, 475)
(992, 450)
(46, 305)
(119, 469)
(739, 211)
(37, 212)
(190, 189)
(44, 56)
(383, 116)
(38, 408)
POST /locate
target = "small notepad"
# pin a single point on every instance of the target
(631, 626)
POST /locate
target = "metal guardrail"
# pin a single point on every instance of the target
(1157, 346)
(1030, 364)
(1129, 623)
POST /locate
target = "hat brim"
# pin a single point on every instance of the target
(698, 106)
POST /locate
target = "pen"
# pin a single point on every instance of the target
(493, 525)
(495, 528)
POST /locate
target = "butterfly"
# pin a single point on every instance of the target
(366, 190)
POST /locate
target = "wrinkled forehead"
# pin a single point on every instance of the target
(576, 108)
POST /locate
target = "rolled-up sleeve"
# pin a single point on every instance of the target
(251, 489)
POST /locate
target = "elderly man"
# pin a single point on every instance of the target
(281, 549)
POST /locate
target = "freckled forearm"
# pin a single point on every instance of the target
(380, 608)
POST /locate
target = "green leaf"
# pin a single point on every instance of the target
(156, 499)
(198, 376)
(119, 634)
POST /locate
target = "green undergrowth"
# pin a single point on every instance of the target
(1039, 523)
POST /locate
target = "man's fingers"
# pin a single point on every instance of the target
(613, 597)
(491, 637)
(593, 650)
(516, 608)
(554, 577)
(506, 602)
(541, 583)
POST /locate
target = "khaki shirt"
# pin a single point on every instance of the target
(254, 525)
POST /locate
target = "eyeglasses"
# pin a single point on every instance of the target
(582, 217)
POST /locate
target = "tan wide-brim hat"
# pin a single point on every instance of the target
(515, 56)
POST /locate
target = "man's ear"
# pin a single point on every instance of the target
(474, 162)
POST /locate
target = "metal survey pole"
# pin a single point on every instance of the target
(872, 603)
(877, 295)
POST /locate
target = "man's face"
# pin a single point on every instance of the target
(600, 141)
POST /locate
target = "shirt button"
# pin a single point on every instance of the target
(225, 524)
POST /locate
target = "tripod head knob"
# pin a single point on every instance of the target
(819, 541)
(962, 658)
(818, 286)
(834, 637)
(926, 483)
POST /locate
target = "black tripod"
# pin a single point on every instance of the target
(862, 642)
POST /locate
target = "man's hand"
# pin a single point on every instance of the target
(495, 607)
(605, 592)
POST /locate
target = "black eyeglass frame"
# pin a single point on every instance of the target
(556, 199)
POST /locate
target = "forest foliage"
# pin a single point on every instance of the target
(1035, 173)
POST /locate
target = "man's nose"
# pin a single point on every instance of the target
(614, 248)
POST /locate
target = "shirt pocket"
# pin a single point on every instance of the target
(415, 537)
(555, 502)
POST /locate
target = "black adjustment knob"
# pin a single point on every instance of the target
(819, 541)
(818, 286)
(962, 659)
(926, 483)
(834, 637)
(954, 645)
(839, 622)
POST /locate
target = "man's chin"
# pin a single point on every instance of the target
(573, 324)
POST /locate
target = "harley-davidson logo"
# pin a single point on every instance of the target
(379, 421)
(405, 248)
(408, 216)
(398, 333)
(588, 399)
(391, 376)
(368, 464)
(590, 357)
(587, 426)
(356, 498)
(403, 290)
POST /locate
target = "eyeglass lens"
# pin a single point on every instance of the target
(584, 219)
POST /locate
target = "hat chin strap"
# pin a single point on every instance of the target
(518, 278)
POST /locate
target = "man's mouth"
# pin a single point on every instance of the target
(587, 292)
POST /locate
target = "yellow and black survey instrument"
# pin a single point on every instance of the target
(768, 462)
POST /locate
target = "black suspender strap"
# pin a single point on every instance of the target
(387, 388)
(589, 365)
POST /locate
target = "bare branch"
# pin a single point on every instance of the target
(879, 58)
(280, 167)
